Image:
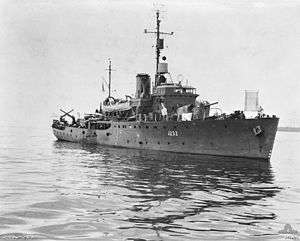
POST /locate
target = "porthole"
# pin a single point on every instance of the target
(118, 126)
(83, 132)
(107, 134)
(158, 143)
(147, 127)
(140, 142)
(134, 127)
(127, 141)
(168, 143)
(225, 126)
(182, 143)
(71, 130)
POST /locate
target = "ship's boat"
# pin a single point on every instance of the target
(167, 117)
(113, 105)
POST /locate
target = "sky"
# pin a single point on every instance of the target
(53, 54)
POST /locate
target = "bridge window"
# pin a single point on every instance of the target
(178, 91)
(184, 90)
(102, 126)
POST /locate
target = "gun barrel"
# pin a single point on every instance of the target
(211, 104)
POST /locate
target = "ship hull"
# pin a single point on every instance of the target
(236, 138)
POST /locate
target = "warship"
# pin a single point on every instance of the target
(165, 116)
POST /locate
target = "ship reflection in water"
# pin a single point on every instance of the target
(140, 194)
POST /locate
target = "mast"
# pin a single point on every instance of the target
(109, 78)
(159, 42)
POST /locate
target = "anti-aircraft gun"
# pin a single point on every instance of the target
(61, 118)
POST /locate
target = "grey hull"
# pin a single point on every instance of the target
(210, 137)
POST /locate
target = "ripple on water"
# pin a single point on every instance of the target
(76, 230)
(62, 204)
(96, 193)
(34, 214)
(22, 236)
(11, 221)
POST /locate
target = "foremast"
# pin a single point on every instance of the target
(159, 43)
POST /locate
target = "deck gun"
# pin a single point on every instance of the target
(67, 114)
(209, 105)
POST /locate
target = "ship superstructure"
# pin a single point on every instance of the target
(168, 117)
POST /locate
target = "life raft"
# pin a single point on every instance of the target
(257, 130)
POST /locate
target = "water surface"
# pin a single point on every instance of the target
(52, 190)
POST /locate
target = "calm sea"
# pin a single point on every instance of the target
(53, 190)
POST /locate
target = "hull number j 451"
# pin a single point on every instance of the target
(172, 133)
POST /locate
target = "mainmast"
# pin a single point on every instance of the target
(109, 78)
(159, 41)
